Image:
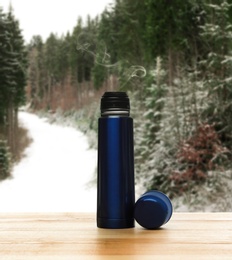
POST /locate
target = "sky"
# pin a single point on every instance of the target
(41, 17)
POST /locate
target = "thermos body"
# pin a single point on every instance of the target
(115, 191)
(116, 207)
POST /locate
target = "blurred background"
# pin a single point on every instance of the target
(173, 58)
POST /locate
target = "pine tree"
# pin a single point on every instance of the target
(37, 71)
(17, 96)
(12, 78)
(8, 73)
(216, 67)
(4, 68)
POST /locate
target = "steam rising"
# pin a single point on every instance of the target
(137, 71)
(102, 57)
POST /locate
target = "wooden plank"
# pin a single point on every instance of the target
(75, 236)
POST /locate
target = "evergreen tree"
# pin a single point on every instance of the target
(16, 96)
(5, 160)
(217, 65)
(37, 71)
(75, 53)
(18, 47)
(12, 78)
(5, 66)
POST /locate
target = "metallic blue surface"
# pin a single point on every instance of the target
(153, 209)
(115, 196)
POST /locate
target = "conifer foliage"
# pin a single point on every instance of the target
(12, 83)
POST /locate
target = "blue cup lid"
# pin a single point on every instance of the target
(153, 209)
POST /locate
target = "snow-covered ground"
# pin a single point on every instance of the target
(55, 173)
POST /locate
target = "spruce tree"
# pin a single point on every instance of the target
(216, 67)
(16, 95)
(12, 83)
(4, 68)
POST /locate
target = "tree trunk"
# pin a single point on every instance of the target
(10, 126)
(170, 83)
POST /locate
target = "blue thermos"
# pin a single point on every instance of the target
(115, 185)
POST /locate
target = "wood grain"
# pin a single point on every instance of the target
(75, 236)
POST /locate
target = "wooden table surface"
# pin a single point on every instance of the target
(75, 236)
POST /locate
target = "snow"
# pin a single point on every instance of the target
(55, 173)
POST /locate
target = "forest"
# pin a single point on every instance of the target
(173, 58)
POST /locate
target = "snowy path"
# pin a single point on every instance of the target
(54, 174)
